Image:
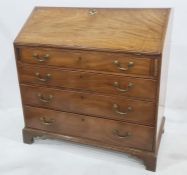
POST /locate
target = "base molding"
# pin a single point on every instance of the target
(149, 158)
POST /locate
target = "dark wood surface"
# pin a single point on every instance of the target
(94, 82)
(141, 112)
(71, 85)
(149, 158)
(107, 131)
(89, 60)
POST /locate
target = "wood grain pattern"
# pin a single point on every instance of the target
(94, 82)
(90, 127)
(127, 30)
(76, 93)
(149, 158)
(88, 60)
(90, 104)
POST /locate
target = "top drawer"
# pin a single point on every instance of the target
(99, 61)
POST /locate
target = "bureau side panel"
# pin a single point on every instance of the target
(164, 63)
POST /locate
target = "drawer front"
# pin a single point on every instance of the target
(90, 104)
(102, 130)
(100, 61)
(95, 82)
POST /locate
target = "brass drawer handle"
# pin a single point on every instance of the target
(40, 58)
(122, 136)
(45, 79)
(92, 12)
(45, 99)
(45, 121)
(118, 64)
(116, 85)
(116, 109)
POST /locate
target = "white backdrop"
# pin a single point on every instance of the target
(13, 14)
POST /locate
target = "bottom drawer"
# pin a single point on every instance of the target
(103, 130)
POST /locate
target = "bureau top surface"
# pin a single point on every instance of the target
(125, 30)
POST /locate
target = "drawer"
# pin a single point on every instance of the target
(90, 104)
(91, 60)
(102, 130)
(87, 81)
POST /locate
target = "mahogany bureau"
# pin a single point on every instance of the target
(95, 76)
